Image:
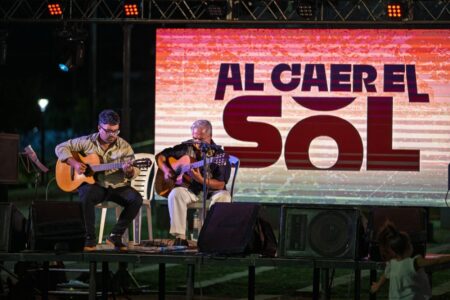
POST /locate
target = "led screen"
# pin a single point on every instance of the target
(335, 116)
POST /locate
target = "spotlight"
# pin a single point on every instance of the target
(55, 8)
(74, 56)
(131, 8)
(395, 10)
(305, 8)
(217, 9)
(73, 51)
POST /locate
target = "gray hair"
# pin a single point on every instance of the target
(202, 124)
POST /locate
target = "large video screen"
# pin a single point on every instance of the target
(329, 116)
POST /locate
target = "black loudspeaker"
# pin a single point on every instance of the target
(236, 228)
(320, 232)
(9, 152)
(412, 220)
(56, 226)
(12, 228)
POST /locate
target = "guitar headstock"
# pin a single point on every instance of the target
(220, 159)
(142, 163)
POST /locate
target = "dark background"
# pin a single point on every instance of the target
(30, 72)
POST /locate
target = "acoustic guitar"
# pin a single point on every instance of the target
(180, 167)
(69, 180)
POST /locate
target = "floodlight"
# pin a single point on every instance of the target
(217, 9)
(306, 8)
(131, 8)
(395, 10)
(55, 8)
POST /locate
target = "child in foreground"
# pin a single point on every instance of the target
(406, 274)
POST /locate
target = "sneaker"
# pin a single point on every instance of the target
(180, 242)
(116, 241)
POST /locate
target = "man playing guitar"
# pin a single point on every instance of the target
(188, 190)
(112, 185)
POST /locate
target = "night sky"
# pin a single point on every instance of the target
(31, 72)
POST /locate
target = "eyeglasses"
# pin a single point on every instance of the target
(110, 132)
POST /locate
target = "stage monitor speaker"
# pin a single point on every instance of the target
(9, 152)
(312, 232)
(12, 228)
(56, 226)
(235, 229)
(412, 220)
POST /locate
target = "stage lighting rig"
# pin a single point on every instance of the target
(306, 8)
(217, 9)
(132, 8)
(73, 49)
(397, 10)
(55, 8)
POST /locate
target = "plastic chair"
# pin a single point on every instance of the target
(144, 184)
(198, 205)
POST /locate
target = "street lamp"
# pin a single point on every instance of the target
(43, 105)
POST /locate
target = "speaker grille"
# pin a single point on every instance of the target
(319, 232)
(330, 233)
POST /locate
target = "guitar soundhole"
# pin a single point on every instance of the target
(88, 171)
(178, 171)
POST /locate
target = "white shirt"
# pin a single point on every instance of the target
(405, 282)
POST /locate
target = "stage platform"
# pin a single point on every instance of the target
(190, 258)
(173, 255)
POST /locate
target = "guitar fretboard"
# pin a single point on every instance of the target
(104, 167)
(216, 159)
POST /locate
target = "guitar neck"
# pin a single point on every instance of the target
(196, 165)
(105, 167)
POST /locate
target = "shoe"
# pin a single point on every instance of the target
(90, 246)
(116, 241)
(181, 242)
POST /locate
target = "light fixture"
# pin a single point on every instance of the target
(55, 8)
(395, 10)
(131, 8)
(74, 56)
(306, 8)
(43, 102)
(217, 9)
(73, 49)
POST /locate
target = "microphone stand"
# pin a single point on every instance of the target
(204, 149)
(33, 169)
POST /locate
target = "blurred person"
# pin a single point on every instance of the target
(406, 274)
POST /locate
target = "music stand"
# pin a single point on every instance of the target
(37, 166)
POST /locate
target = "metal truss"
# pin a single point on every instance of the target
(235, 10)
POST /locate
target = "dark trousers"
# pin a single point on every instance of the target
(92, 194)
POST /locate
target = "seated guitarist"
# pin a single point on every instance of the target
(113, 185)
(180, 196)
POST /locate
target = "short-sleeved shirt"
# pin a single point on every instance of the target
(220, 172)
(120, 151)
(405, 282)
